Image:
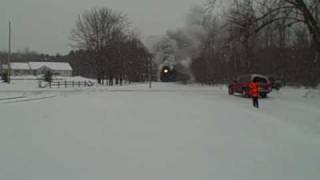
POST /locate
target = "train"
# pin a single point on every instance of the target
(175, 73)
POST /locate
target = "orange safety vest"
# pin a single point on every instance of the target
(254, 89)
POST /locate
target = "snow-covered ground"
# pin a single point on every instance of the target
(169, 132)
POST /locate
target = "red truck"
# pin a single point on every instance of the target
(241, 85)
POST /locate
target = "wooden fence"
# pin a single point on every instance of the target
(66, 84)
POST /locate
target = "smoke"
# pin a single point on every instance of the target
(181, 45)
(163, 48)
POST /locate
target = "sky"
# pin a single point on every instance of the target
(44, 25)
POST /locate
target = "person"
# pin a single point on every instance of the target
(254, 93)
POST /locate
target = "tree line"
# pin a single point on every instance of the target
(112, 49)
(273, 37)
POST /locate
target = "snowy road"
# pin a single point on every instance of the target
(171, 132)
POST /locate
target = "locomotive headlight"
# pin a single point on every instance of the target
(166, 71)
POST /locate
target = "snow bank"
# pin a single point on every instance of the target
(77, 78)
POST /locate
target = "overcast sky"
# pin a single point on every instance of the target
(44, 25)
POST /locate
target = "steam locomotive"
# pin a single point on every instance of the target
(176, 73)
(168, 74)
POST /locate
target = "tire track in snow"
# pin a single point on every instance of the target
(11, 98)
(29, 99)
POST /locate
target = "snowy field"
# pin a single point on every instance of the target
(169, 132)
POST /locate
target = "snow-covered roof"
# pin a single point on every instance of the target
(51, 65)
(17, 66)
(259, 75)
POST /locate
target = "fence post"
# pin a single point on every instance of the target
(50, 84)
(72, 83)
(79, 84)
(58, 84)
(65, 84)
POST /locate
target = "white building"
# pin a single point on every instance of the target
(17, 69)
(38, 68)
(57, 68)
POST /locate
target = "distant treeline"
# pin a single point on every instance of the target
(84, 64)
(279, 38)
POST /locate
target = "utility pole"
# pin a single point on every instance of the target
(9, 53)
(150, 72)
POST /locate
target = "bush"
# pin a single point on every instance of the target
(48, 76)
(5, 77)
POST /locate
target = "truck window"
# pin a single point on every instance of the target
(260, 79)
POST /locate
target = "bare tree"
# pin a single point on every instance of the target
(264, 36)
(97, 31)
(241, 22)
(288, 13)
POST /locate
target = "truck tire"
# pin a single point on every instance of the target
(245, 93)
(230, 91)
(264, 95)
